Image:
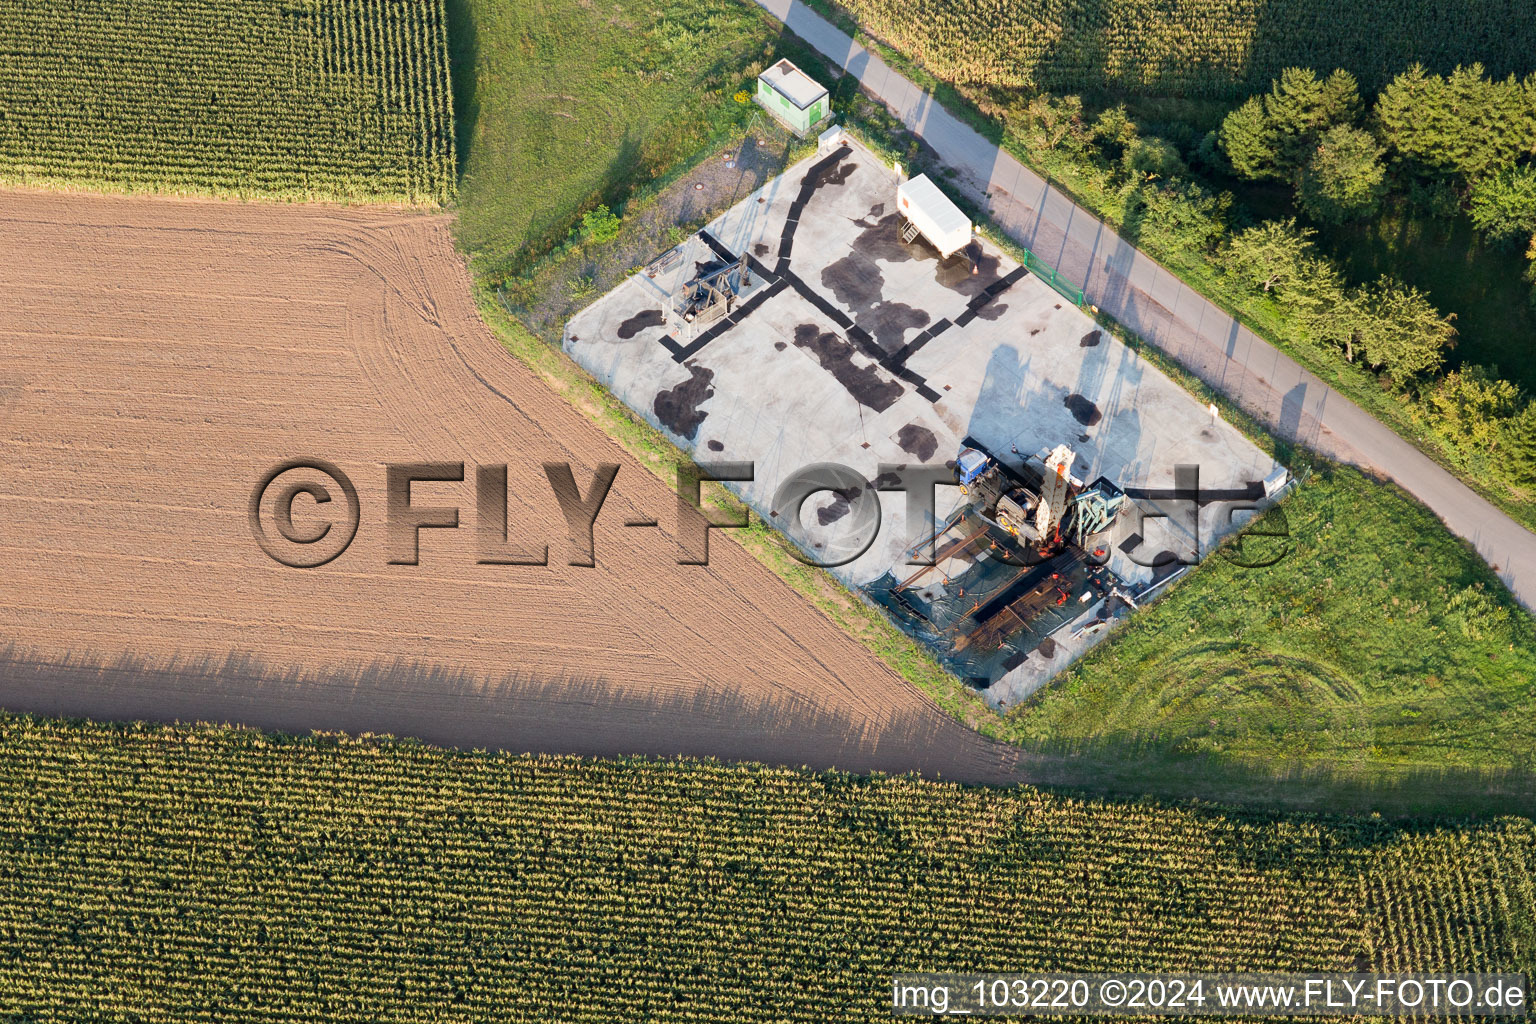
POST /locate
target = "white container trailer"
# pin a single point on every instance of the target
(930, 212)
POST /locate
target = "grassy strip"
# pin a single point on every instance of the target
(569, 104)
(1377, 661)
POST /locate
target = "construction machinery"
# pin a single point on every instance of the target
(1040, 502)
(1028, 504)
(1021, 558)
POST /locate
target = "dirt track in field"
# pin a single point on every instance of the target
(158, 357)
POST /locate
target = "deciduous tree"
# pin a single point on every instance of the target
(1471, 404)
(1504, 205)
(1344, 179)
(1273, 256)
(1397, 329)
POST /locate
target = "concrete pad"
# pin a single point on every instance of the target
(855, 348)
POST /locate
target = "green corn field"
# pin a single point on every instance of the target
(153, 873)
(296, 99)
(1201, 49)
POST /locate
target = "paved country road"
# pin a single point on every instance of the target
(1140, 293)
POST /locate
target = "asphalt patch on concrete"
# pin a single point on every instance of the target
(835, 355)
(842, 504)
(855, 281)
(1082, 410)
(678, 407)
(916, 439)
(640, 321)
(837, 177)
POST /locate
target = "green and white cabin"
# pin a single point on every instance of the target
(792, 96)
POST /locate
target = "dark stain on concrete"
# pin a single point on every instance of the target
(916, 439)
(640, 321)
(969, 271)
(760, 249)
(992, 311)
(842, 504)
(855, 281)
(887, 480)
(889, 322)
(1084, 411)
(678, 407)
(1047, 648)
(837, 177)
(779, 346)
(880, 238)
(716, 446)
(835, 354)
(1090, 339)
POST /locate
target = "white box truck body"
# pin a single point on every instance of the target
(931, 212)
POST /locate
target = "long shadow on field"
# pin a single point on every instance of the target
(463, 56)
(1134, 766)
(518, 712)
(599, 718)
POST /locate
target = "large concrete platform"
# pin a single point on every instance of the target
(852, 347)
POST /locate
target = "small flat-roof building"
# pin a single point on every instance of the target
(792, 96)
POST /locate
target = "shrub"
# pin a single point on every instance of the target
(599, 225)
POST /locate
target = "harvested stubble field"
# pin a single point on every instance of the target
(161, 356)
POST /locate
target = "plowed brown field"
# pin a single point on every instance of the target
(160, 356)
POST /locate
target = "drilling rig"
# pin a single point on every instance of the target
(1031, 503)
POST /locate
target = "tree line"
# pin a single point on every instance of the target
(1459, 143)
(1453, 142)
